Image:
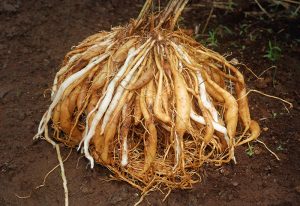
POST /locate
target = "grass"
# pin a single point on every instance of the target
(212, 38)
(250, 150)
(18, 93)
(295, 14)
(244, 29)
(280, 148)
(273, 52)
(222, 30)
(252, 37)
(231, 5)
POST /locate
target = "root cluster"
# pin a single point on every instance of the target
(150, 103)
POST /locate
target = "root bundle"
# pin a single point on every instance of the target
(150, 103)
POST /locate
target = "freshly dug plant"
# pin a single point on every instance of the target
(149, 102)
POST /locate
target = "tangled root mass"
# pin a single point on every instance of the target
(150, 103)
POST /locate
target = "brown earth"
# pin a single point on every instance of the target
(34, 37)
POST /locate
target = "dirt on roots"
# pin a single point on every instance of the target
(34, 38)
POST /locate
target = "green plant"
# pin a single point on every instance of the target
(212, 38)
(234, 44)
(280, 148)
(222, 30)
(231, 5)
(295, 13)
(253, 36)
(181, 21)
(250, 150)
(274, 114)
(244, 28)
(273, 52)
(18, 93)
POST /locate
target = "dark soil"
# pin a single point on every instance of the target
(34, 37)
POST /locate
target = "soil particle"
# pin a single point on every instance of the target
(257, 151)
(86, 188)
(21, 116)
(2, 47)
(230, 197)
(6, 6)
(235, 183)
(268, 168)
(297, 189)
(225, 171)
(4, 91)
(12, 31)
(117, 198)
(263, 82)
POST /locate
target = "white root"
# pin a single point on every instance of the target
(203, 94)
(72, 60)
(124, 155)
(177, 150)
(181, 52)
(63, 87)
(62, 71)
(88, 119)
(105, 102)
(124, 160)
(103, 106)
(218, 127)
(204, 98)
(63, 175)
(119, 92)
(103, 44)
(108, 35)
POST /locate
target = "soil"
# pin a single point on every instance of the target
(34, 37)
